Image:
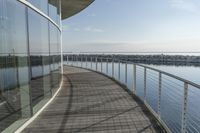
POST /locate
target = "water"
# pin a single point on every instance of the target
(190, 73)
(10, 75)
(172, 91)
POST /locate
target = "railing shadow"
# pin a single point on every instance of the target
(82, 129)
(69, 112)
(69, 105)
(159, 128)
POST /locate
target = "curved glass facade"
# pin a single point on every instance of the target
(49, 7)
(30, 59)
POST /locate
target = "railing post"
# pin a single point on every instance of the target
(107, 66)
(184, 111)
(119, 70)
(67, 60)
(96, 63)
(126, 73)
(159, 94)
(72, 60)
(91, 62)
(145, 84)
(101, 64)
(134, 78)
(112, 67)
(81, 61)
(86, 61)
(77, 60)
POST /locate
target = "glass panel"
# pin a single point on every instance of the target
(39, 51)
(54, 10)
(14, 72)
(40, 4)
(55, 56)
(49, 7)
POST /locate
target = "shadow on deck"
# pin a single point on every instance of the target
(91, 102)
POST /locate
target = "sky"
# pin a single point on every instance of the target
(134, 26)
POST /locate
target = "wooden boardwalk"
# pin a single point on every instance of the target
(91, 102)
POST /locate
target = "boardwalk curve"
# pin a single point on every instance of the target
(92, 102)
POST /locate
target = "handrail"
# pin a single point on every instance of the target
(168, 74)
(183, 127)
(29, 5)
(154, 69)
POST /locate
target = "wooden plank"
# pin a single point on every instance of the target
(91, 102)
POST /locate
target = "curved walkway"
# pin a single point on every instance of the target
(91, 102)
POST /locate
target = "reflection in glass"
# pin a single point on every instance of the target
(14, 74)
(55, 56)
(54, 10)
(40, 4)
(29, 61)
(39, 58)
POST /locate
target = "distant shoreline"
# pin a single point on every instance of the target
(159, 59)
(138, 53)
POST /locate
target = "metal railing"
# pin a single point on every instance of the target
(172, 100)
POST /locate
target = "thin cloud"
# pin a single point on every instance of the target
(92, 15)
(186, 5)
(93, 29)
(108, 0)
(65, 27)
(137, 46)
(85, 29)
(77, 29)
